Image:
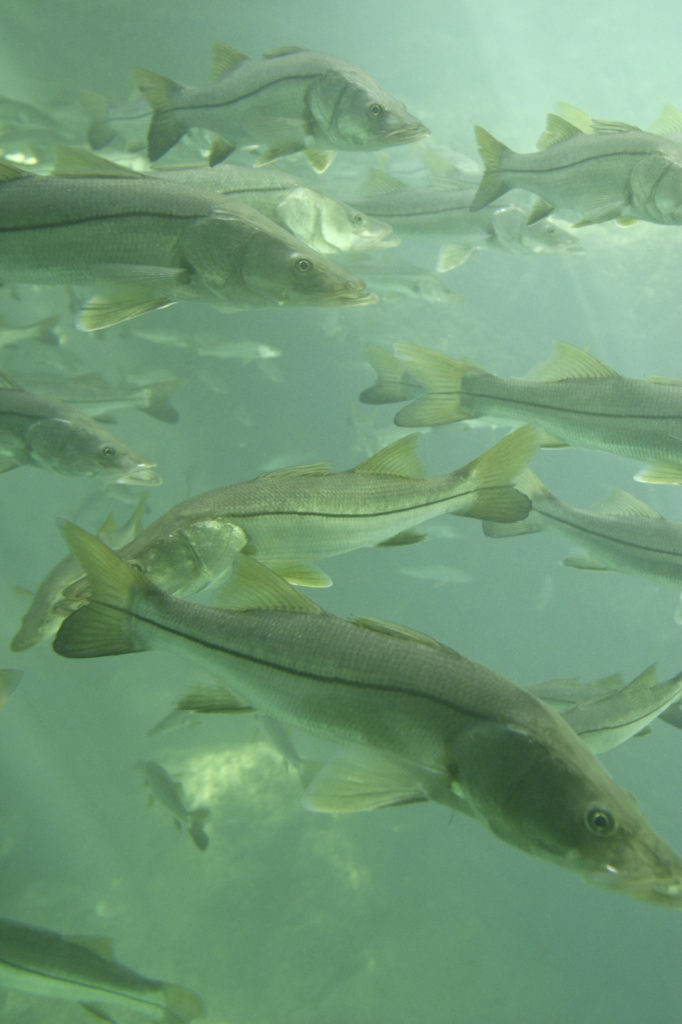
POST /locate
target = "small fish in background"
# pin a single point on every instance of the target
(400, 279)
(28, 134)
(170, 793)
(287, 101)
(42, 331)
(216, 344)
(289, 517)
(444, 211)
(45, 612)
(40, 431)
(574, 398)
(82, 969)
(147, 244)
(489, 748)
(622, 533)
(109, 123)
(94, 395)
(9, 681)
(327, 225)
(614, 171)
(438, 574)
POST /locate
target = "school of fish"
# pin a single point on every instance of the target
(97, 205)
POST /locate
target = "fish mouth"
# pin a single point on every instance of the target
(141, 473)
(411, 133)
(652, 888)
(363, 298)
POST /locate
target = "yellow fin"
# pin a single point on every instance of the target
(219, 151)
(253, 585)
(661, 473)
(216, 700)
(301, 574)
(275, 152)
(620, 503)
(557, 129)
(392, 384)
(571, 363)
(156, 89)
(673, 382)
(9, 171)
(108, 310)
(397, 459)
(539, 210)
(585, 562)
(378, 183)
(364, 783)
(70, 161)
(312, 469)
(224, 59)
(319, 159)
(602, 127)
(668, 122)
(396, 630)
(452, 255)
(442, 378)
(401, 539)
(492, 184)
(575, 116)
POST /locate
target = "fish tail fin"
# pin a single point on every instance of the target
(492, 184)
(492, 474)
(158, 402)
(196, 827)
(105, 625)
(392, 384)
(182, 1005)
(441, 377)
(164, 130)
(529, 484)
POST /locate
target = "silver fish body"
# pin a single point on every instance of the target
(518, 766)
(287, 101)
(170, 793)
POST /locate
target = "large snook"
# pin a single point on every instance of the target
(289, 100)
(575, 398)
(513, 763)
(617, 171)
(152, 243)
(44, 963)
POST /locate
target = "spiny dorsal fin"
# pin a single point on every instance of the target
(397, 459)
(571, 363)
(223, 59)
(282, 51)
(620, 503)
(253, 585)
(601, 127)
(9, 171)
(217, 700)
(557, 129)
(644, 681)
(71, 162)
(313, 469)
(574, 116)
(668, 122)
(379, 183)
(396, 630)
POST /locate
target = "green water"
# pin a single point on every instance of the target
(405, 915)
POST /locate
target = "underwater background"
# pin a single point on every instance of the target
(407, 914)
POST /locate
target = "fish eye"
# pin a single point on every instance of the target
(304, 265)
(107, 451)
(599, 821)
(358, 220)
(375, 110)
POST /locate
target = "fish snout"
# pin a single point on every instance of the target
(140, 473)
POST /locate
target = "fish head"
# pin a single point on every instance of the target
(82, 447)
(557, 801)
(195, 554)
(328, 225)
(349, 110)
(547, 236)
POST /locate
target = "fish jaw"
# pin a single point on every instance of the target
(655, 877)
(140, 473)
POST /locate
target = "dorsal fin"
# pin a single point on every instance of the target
(71, 162)
(253, 586)
(397, 631)
(379, 183)
(644, 681)
(397, 459)
(571, 363)
(224, 59)
(557, 129)
(9, 171)
(282, 51)
(313, 469)
(574, 116)
(620, 503)
(668, 122)
(601, 127)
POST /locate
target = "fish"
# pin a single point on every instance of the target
(445, 211)
(9, 681)
(169, 793)
(44, 614)
(500, 752)
(40, 431)
(574, 398)
(83, 970)
(293, 516)
(289, 100)
(607, 713)
(326, 224)
(209, 343)
(622, 533)
(92, 394)
(614, 171)
(149, 244)
(400, 279)
(42, 331)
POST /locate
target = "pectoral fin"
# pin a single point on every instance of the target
(365, 783)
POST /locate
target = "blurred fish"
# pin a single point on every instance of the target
(152, 244)
(291, 516)
(289, 100)
(616, 171)
(441, 575)
(92, 394)
(445, 211)
(399, 279)
(43, 616)
(496, 750)
(575, 398)
(622, 533)
(209, 343)
(169, 793)
(83, 970)
(42, 331)
(9, 680)
(40, 431)
(327, 225)
(29, 134)
(109, 123)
